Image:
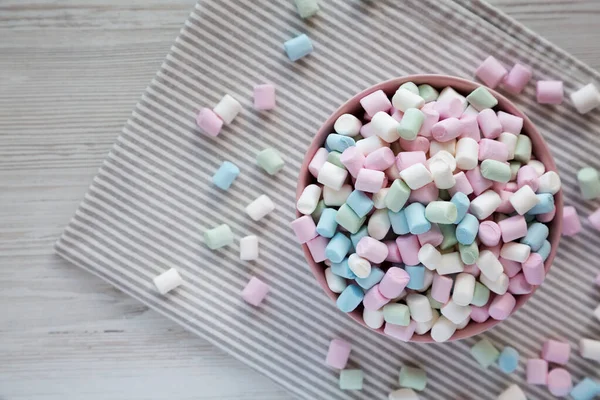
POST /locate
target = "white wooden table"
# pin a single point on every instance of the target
(70, 73)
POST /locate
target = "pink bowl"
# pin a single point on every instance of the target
(463, 86)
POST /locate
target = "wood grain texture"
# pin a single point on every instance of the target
(70, 73)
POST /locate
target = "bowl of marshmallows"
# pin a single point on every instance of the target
(429, 208)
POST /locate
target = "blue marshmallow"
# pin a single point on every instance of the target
(545, 205)
(338, 247)
(343, 269)
(544, 251)
(350, 298)
(327, 224)
(399, 222)
(355, 237)
(415, 217)
(537, 233)
(417, 276)
(298, 47)
(587, 389)
(225, 175)
(462, 203)
(373, 279)
(508, 360)
(466, 230)
(360, 203)
(339, 142)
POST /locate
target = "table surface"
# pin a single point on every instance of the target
(70, 74)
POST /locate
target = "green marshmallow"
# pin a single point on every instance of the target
(397, 196)
(428, 93)
(469, 254)
(411, 87)
(589, 183)
(485, 353)
(316, 215)
(523, 149)
(218, 237)
(481, 99)
(414, 378)
(270, 160)
(514, 169)
(351, 379)
(347, 218)
(433, 302)
(449, 233)
(411, 123)
(334, 158)
(307, 8)
(441, 212)
(495, 170)
(481, 295)
(397, 314)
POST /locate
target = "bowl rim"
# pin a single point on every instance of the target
(539, 148)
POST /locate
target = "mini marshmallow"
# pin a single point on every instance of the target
(335, 283)
(513, 392)
(549, 182)
(411, 124)
(406, 159)
(449, 108)
(298, 47)
(225, 175)
(347, 125)
(586, 99)
(441, 288)
(403, 394)
(370, 144)
(513, 228)
(446, 130)
(255, 291)
(264, 97)
(368, 180)
(227, 109)
(560, 382)
(335, 198)
(260, 207)
(451, 264)
(515, 251)
(319, 159)
(510, 141)
(420, 310)
(528, 176)
(485, 353)
(218, 237)
(371, 249)
(373, 279)
(436, 147)
(307, 202)
(416, 176)
(338, 353)
(416, 219)
(385, 127)
(469, 127)
(428, 93)
(485, 204)
(517, 78)
(589, 349)
(538, 166)
(498, 286)
(404, 99)
(414, 378)
(379, 224)
(304, 228)
(209, 122)
(441, 212)
(467, 153)
(493, 150)
(332, 176)
(491, 72)
(537, 372)
(502, 306)
(454, 312)
(443, 329)
(523, 149)
(338, 247)
(373, 318)
(350, 298)
(442, 175)
(489, 124)
(361, 267)
(380, 160)
(489, 265)
(550, 92)
(557, 352)
(464, 288)
(449, 93)
(571, 222)
(379, 199)
(249, 248)
(375, 102)
(533, 269)
(397, 314)
(167, 281)
(489, 233)
(510, 123)
(524, 200)
(429, 256)
(481, 99)
(402, 333)
(589, 183)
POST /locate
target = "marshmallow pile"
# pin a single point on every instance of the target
(428, 210)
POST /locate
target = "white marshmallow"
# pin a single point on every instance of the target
(435, 147)
(379, 224)
(404, 99)
(335, 283)
(360, 266)
(499, 286)
(227, 109)
(427, 281)
(467, 154)
(454, 312)
(385, 127)
(523, 199)
(308, 200)
(424, 327)
(335, 198)
(392, 172)
(370, 144)
(513, 392)
(249, 248)
(464, 288)
(485, 204)
(429, 256)
(317, 161)
(549, 182)
(443, 329)
(515, 251)
(420, 309)
(510, 140)
(416, 176)
(260, 207)
(589, 349)
(586, 99)
(489, 265)
(347, 125)
(379, 198)
(373, 319)
(539, 166)
(445, 157)
(463, 324)
(167, 281)
(332, 176)
(470, 111)
(403, 394)
(442, 175)
(451, 264)
(449, 93)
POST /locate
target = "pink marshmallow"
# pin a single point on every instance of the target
(511, 268)
(498, 186)
(338, 353)
(469, 128)
(366, 116)
(489, 233)
(528, 176)
(372, 249)
(393, 282)
(433, 236)
(380, 160)
(517, 78)
(450, 108)
(560, 382)
(441, 288)
(477, 181)
(406, 159)
(431, 118)
(494, 249)
(480, 314)
(409, 249)
(550, 92)
(594, 219)
(537, 371)
(375, 102)
(519, 285)
(403, 333)
(209, 122)
(397, 115)
(392, 173)
(462, 185)
(557, 352)
(316, 247)
(419, 144)
(493, 150)
(546, 217)
(264, 97)
(513, 228)
(424, 195)
(510, 123)
(446, 130)
(353, 159)
(472, 269)
(491, 72)
(571, 223)
(368, 180)
(393, 252)
(511, 187)
(255, 291)
(533, 268)
(489, 124)
(304, 228)
(320, 158)
(374, 300)
(505, 206)
(367, 130)
(502, 306)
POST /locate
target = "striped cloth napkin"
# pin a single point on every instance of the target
(152, 199)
